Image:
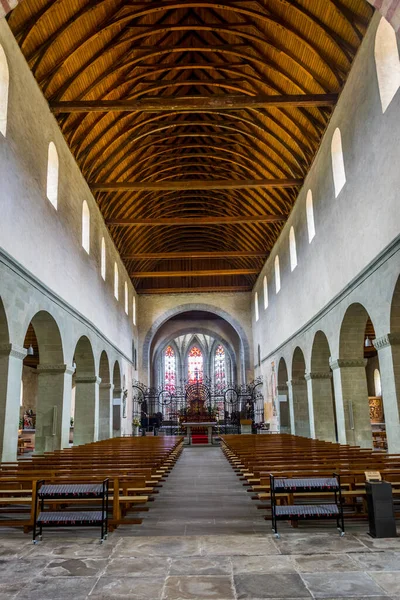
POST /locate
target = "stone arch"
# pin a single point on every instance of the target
(86, 429)
(228, 361)
(350, 379)
(105, 397)
(159, 360)
(195, 342)
(352, 331)
(298, 394)
(52, 416)
(395, 309)
(245, 346)
(8, 419)
(219, 339)
(117, 399)
(320, 391)
(283, 397)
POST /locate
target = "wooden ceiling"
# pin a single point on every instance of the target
(194, 123)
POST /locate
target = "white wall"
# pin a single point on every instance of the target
(352, 229)
(45, 241)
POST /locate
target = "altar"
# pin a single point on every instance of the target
(204, 424)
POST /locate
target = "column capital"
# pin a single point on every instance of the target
(390, 339)
(282, 388)
(61, 368)
(87, 379)
(294, 382)
(106, 386)
(13, 350)
(345, 363)
(117, 390)
(318, 375)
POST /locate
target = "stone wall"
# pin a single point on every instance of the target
(349, 272)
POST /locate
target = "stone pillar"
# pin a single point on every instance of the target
(117, 412)
(284, 408)
(11, 358)
(86, 424)
(105, 411)
(388, 348)
(53, 411)
(320, 406)
(299, 415)
(351, 398)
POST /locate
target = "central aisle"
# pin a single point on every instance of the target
(202, 496)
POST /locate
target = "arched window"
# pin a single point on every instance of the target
(310, 216)
(256, 313)
(339, 174)
(277, 275)
(265, 286)
(134, 310)
(387, 62)
(4, 86)
(126, 298)
(170, 370)
(116, 281)
(85, 227)
(52, 174)
(219, 368)
(293, 251)
(103, 259)
(377, 383)
(195, 365)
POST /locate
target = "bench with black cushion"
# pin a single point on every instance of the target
(82, 518)
(295, 512)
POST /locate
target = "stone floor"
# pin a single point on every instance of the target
(203, 538)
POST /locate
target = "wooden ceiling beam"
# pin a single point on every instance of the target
(196, 290)
(194, 184)
(197, 221)
(195, 103)
(194, 254)
(205, 273)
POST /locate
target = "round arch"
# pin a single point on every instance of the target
(299, 394)
(105, 397)
(321, 395)
(86, 424)
(245, 347)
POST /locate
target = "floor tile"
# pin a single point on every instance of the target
(57, 588)
(263, 564)
(199, 587)
(341, 585)
(281, 585)
(389, 581)
(325, 563)
(128, 588)
(378, 561)
(201, 566)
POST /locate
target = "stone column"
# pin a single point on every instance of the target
(86, 424)
(388, 348)
(284, 408)
(117, 412)
(105, 411)
(351, 398)
(53, 411)
(320, 406)
(11, 358)
(299, 415)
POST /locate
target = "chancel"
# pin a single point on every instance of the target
(199, 299)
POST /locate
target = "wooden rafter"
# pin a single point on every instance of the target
(196, 221)
(193, 184)
(194, 103)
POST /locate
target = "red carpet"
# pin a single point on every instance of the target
(199, 438)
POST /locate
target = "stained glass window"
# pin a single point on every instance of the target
(170, 370)
(219, 367)
(195, 365)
